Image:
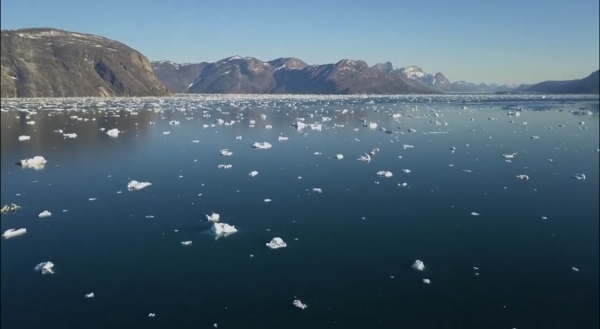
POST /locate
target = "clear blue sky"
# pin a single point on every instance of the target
(502, 41)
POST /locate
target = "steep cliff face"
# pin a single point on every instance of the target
(177, 77)
(48, 62)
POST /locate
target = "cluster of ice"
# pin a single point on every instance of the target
(9, 208)
(276, 243)
(224, 166)
(366, 158)
(383, 173)
(37, 162)
(262, 145)
(226, 152)
(11, 233)
(45, 267)
(135, 185)
(522, 177)
(299, 304)
(214, 217)
(222, 228)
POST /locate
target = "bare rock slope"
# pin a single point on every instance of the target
(46, 62)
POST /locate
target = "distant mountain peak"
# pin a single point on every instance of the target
(386, 67)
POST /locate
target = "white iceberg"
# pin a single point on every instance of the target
(366, 158)
(262, 145)
(186, 243)
(174, 123)
(339, 156)
(226, 152)
(253, 173)
(222, 228)
(426, 281)
(383, 173)
(24, 138)
(299, 125)
(37, 162)
(90, 295)
(224, 166)
(14, 233)
(281, 138)
(113, 132)
(214, 217)
(71, 135)
(299, 304)
(406, 171)
(579, 176)
(45, 267)
(135, 185)
(474, 214)
(418, 265)
(276, 243)
(372, 125)
(317, 190)
(574, 269)
(45, 214)
(406, 146)
(522, 177)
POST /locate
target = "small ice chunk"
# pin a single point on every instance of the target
(426, 281)
(281, 138)
(402, 184)
(151, 315)
(45, 267)
(299, 304)
(24, 138)
(37, 162)
(268, 200)
(224, 166)
(14, 233)
(45, 214)
(317, 190)
(174, 123)
(90, 295)
(406, 171)
(226, 152)
(474, 214)
(372, 125)
(222, 228)
(71, 135)
(522, 177)
(276, 243)
(366, 158)
(383, 173)
(574, 269)
(135, 185)
(214, 217)
(238, 137)
(579, 176)
(339, 156)
(418, 265)
(253, 173)
(262, 145)
(406, 146)
(113, 132)
(186, 243)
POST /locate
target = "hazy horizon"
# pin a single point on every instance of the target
(508, 42)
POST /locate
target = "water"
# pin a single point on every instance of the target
(344, 245)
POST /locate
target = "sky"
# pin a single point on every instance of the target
(490, 41)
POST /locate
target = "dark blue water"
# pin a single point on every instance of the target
(344, 245)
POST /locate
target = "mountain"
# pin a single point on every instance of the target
(437, 81)
(177, 77)
(291, 75)
(386, 67)
(587, 85)
(46, 62)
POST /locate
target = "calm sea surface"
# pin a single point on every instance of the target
(349, 249)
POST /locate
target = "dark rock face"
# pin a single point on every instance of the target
(177, 77)
(436, 81)
(46, 62)
(291, 75)
(587, 85)
(386, 67)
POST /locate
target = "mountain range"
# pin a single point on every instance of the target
(47, 62)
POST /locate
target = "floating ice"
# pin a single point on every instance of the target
(522, 177)
(268, 127)
(474, 214)
(151, 315)
(509, 156)
(226, 152)
(262, 145)
(44, 214)
(406, 146)
(253, 173)
(268, 200)
(238, 137)
(174, 123)
(24, 138)
(299, 125)
(402, 184)
(113, 132)
(406, 171)
(44, 267)
(14, 232)
(224, 166)
(186, 243)
(317, 190)
(372, 125)
(383, 173)
(426, 281)
(579, 176)
(574, 269)
(276, 243)
(214, 217)
(90, 295)
(9, 208)
(135, 185)
(282, 139)
(299, 304)
(366, 158)
(222, 228)
(339, 156)
(71, 135)
(37, 162)
(418, 265)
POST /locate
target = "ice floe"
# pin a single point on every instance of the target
(45, 214)
(37, 162)
(135, 185)
(418, 265)
(262, 145)
(276, 243)
(299, 304)
(214, 217)
(45, 267)
(113, 132)
(11, 233)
